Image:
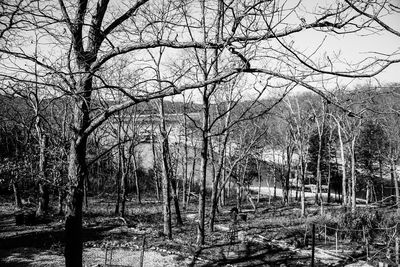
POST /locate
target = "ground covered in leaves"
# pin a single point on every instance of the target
(273, 235)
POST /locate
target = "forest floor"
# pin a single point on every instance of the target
(274, 235)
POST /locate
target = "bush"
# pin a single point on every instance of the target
(360, 224)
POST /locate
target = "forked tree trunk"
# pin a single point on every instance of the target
(215, 194)
(166, 155)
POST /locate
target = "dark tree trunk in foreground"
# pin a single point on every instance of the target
(77, 171)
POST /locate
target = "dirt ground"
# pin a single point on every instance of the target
(272, 236)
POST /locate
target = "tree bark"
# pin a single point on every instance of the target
(123, 189)
(136, 178)
(43, 189)
(77, 171)
(344, 182)
(175, 198)
(396, 184)
(166, 198)
(204, 162)
(185, 159)
(217, 182)
(17, 196)
(353, 175)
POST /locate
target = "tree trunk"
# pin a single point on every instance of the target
(329, 181)
(238, 196)
(17, 196)
(204, 162)
(396, 184)
(381, 177)
(214, 201)
(123, 191)
(353, 175)
(185, 159)
(61, 197)
(136, 178)
(166, 199)
(273, 156)
(175, 198)
(288, 174)
(77, 171)
(85, 192)
(217, 182)
(118, 185)
(319, 176)
(155, 168)
(259, 181)
(43, 190)
(191, 179)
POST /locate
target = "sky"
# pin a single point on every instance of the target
(350, 48)
(357, 46)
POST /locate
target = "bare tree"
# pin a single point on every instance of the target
(87, 37)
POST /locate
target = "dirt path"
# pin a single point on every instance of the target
(92, 257)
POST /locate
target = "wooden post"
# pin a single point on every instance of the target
(336, 237)
(325, 234)
(142, 252)
(305, 237)
(105, 258)
(111, 252)
(313, 246)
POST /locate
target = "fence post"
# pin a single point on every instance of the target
(142, 252)
(336, 237)
(313, 246)
(305, 236)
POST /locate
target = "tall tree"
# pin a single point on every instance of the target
(80, 41)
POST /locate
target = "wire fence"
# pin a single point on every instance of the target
(382, 247)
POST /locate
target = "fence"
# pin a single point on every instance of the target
(385, 252)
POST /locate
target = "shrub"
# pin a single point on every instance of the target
(360, 224)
